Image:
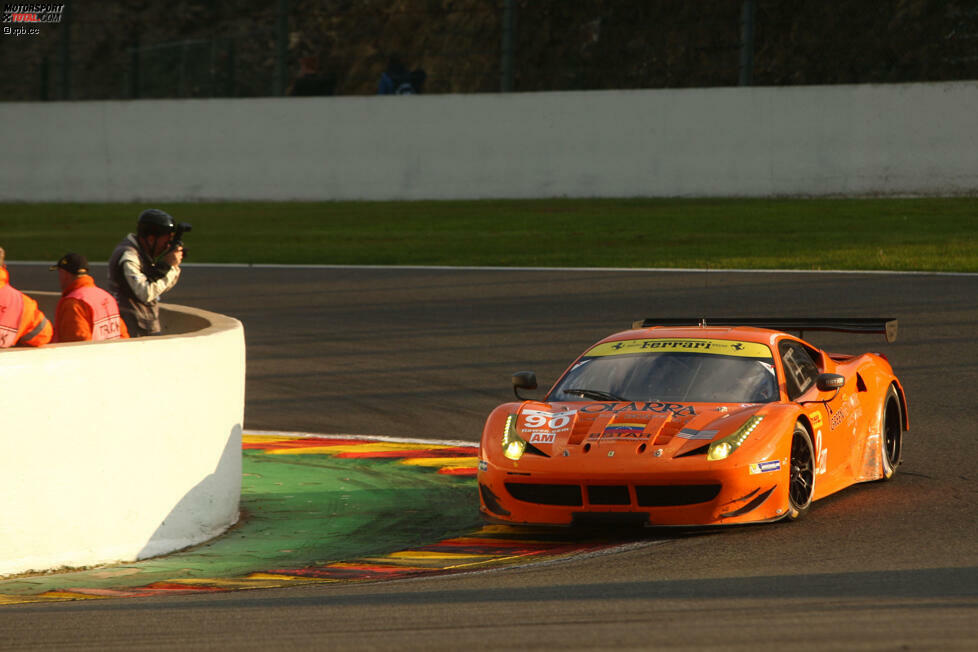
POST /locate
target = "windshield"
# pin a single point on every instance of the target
(708, 371)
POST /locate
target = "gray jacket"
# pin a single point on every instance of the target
(137, 282)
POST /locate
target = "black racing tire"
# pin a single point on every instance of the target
(801, 473)
(891, 433)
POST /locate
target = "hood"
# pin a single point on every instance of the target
(676, 428)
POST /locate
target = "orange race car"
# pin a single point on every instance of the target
(695, 422)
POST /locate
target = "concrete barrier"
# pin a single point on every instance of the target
(857, 140)
(116, 451)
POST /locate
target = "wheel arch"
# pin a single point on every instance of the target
(904, 408)
(803, 419)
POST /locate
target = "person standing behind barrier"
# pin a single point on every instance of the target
(21, 322)
(397, 80)
(143, 267)
(310, 81)
(85, 312)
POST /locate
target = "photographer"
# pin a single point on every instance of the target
(144, 266)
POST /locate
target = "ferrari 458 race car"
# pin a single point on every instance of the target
(681, 422)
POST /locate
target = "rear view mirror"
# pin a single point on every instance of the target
(523, 380)
(830, 382)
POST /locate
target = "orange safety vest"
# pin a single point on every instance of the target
(11, 306)
(105, 311)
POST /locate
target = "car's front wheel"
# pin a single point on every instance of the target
(801, 482)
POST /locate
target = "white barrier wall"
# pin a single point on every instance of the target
(758, 141)
(116, 451)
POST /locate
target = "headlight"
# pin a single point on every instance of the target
(513, 444)
(721, 449)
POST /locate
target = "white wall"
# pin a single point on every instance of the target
(815, 140)
(115, 451)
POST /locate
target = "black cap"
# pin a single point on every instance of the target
(155, 221)
(72, 263)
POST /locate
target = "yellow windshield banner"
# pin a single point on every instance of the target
(683, 345)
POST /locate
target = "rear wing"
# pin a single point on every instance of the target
(885, 325)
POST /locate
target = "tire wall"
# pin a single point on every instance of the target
(858, 140)
(116, 451)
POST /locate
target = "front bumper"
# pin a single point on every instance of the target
(725, 494)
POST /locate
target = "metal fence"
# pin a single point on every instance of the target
(246, 48)
(214, 67)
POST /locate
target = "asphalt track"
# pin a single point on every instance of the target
(427, 353)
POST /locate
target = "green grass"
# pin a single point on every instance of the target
(930, 234)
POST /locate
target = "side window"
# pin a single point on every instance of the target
(800, 370)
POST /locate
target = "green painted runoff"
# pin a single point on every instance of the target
(300, 511)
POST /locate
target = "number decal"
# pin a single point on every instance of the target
(546, 420)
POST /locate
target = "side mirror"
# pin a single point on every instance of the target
(523, 380)
(829, 382)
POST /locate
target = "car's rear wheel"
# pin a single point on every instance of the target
(801, 482)
(891, 430)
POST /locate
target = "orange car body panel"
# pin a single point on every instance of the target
(639, 458)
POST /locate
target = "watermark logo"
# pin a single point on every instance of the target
(22, 19)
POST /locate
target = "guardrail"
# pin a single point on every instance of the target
(120, 450)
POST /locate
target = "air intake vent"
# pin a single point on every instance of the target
(672, 495)
(546, 494)
(611, 495)
(702, 450)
